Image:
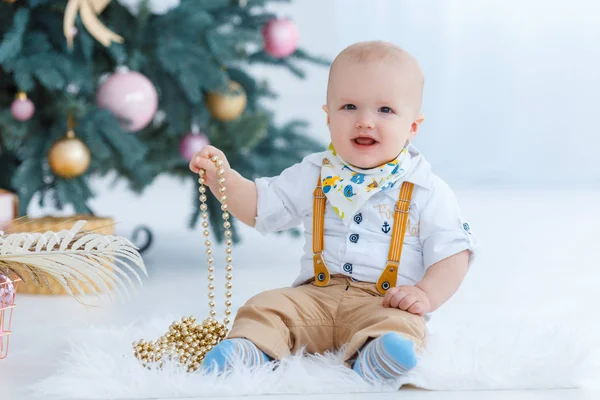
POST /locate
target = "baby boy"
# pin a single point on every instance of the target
(385, 243)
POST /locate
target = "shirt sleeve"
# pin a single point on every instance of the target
(443, 232)
(282, 200)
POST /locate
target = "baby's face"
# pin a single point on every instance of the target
(372, 111)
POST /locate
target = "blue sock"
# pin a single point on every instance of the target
(387, 357)
(223, 354)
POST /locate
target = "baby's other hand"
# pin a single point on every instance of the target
(202, 160)
(407, 298)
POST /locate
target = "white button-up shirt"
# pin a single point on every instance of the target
(359, 250)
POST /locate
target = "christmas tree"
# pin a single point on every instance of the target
(133, 87)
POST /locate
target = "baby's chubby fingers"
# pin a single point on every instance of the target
(417, 308)
(197, 161)
(398, 298)
(388, 296)
(200, 162)
(195, 164)
(407, 302)
(211, 151)
(203, 160)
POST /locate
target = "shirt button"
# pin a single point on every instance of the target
(348, 268)
(358, 218)
(354, 238)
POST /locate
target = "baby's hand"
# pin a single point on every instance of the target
(407, 298)
(202, 160)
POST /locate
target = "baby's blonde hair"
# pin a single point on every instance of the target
(378, 50)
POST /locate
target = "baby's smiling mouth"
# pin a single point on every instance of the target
(364, 141)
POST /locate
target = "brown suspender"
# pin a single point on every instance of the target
(390, 273)
(321, 273)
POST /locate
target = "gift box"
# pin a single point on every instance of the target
(102, 225)
(9, 208)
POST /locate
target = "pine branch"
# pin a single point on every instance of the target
(28, 177)
(73, 191)
(195, 70)
(12, 42)
(230, 46)
(39, 3)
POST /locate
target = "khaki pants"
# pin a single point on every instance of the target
(282, 321)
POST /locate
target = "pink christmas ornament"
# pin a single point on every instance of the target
(281, 38)
(131, 97)
(22, 108)
(7, 292)
(191, 144)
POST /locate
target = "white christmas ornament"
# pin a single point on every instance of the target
(156, 6)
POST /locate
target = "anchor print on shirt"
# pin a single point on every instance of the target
(411, 230)
(386, 212)
(386, 228)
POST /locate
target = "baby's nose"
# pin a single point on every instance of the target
(365, 123)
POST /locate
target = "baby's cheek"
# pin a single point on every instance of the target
(338, 138)
(395, 142)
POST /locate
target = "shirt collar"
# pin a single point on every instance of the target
(420, 170)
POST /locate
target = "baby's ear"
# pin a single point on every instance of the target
(326, 112)
(414, 128)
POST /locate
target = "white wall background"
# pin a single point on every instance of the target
(512, 86)
(511, 97)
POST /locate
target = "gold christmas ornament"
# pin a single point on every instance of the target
(187, 341)
(88, 11)
(228, 106)
(69, 157)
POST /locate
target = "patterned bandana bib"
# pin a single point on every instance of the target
(348, 188)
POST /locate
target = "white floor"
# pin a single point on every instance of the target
(537, 248)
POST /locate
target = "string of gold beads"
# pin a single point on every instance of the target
(187, 341)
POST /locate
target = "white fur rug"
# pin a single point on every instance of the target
(525, 318)
(477, 356)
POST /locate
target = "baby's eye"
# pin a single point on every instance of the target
(386, 110)
(349, 107)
